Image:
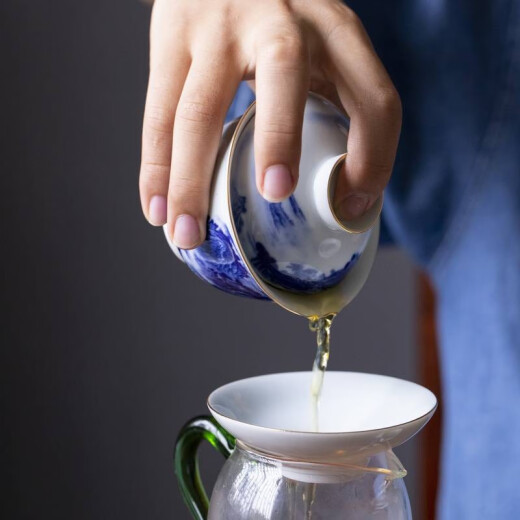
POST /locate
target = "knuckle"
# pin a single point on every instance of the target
(341, 19)
(276, 129)
(157, 119)
(285, 47)
(340, 11)
(156, 142)
(153, 174)
(196, 115)
(350, 16)
(278, 148)
(187, 190)
(382, 102)
(386, 99)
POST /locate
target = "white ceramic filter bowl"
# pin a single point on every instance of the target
(359, 415)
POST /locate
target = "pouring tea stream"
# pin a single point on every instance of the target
(301, 255)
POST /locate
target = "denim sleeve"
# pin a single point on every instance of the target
(243, 98)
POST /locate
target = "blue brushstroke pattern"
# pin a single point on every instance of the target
(217, 261)
(279, 216)
(294, 277)
(298, 213)
(298, 278)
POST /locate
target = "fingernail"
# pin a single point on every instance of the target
(157, 210)
(186, 233)
(353, 206)
(278, 183)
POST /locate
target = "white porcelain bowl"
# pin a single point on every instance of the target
(360, 414)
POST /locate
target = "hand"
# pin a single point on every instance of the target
(202, 49)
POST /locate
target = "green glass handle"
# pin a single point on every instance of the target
(186, 462)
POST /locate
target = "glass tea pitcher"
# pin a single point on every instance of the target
(277, 469)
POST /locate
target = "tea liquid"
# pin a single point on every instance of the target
(322, 328)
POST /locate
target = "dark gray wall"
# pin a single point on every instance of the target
(108, 343)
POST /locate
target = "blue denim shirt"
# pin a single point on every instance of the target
(454, 204)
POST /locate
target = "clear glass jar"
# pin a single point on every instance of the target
(254, 486)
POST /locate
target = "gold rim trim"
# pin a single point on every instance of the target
(242, 122)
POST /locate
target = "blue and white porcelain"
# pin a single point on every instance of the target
(296, 252)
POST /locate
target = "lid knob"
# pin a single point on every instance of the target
(324, 185)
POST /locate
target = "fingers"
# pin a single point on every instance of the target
(168, 71)
(282, 78)
(199, 118)
(372, 102)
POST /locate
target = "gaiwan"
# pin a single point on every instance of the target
(298, 252)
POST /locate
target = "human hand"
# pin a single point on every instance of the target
(202, 49)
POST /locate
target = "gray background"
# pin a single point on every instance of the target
(108, 343)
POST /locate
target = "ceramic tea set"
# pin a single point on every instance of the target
(301, 255)
(297, 253)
